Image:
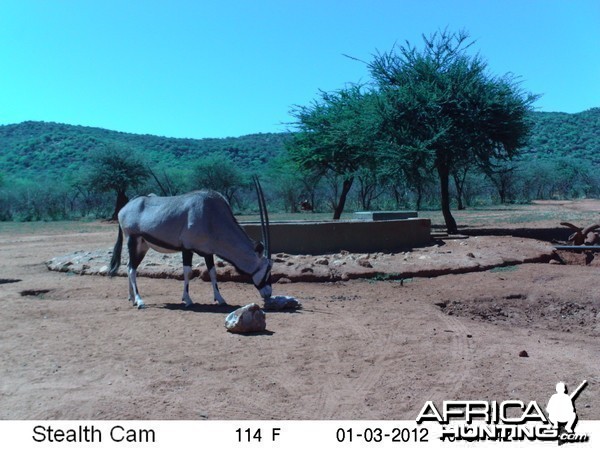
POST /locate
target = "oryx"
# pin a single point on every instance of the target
(583, 236)
(200, 222)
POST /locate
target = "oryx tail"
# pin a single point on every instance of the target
(115, 261)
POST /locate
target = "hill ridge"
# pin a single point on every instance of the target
(34, 148)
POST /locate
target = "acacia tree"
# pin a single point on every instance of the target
(504, 178)
(337, 133)
(118, 170)
(218, 172)
(443, 109)
(407, 163)
(285, 182)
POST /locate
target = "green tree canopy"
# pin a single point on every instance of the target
(337, 133)
(116, 169)
(443, 110)
(218, 172)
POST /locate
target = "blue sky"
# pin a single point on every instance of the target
(227, 68)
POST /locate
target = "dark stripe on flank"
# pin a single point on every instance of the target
(159, 243)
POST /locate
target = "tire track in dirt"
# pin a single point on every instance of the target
(371, 368)
(270, 388)
(362, 367)
(363, 371)
(458, 368)
(343, 388)
(307, 397)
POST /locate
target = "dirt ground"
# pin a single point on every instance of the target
(492, 316)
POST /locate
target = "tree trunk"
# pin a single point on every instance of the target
(419, 199)
(459, 184)
(121, 201)
(347, 184)
(290, 199)
(396, 194)
(502, 193)
(313, 203)
(444, 174)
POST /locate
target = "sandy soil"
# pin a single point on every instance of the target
(72, 347)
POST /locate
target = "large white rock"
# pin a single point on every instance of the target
(247, 319)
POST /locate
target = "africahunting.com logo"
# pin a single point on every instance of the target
(510, 420)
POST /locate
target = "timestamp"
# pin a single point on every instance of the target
(398, 434)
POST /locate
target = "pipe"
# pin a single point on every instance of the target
(577, 247)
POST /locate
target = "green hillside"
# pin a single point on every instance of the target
(566, 135)
(45, 170)
(29, 149)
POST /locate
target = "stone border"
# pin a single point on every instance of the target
(453, 256)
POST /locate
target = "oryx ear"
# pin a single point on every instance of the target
(259, 248)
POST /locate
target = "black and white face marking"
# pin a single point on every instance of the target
(262, 278)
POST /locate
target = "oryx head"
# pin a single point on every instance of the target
(262, 276)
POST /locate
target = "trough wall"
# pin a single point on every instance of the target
(317, 238)
(385, 215)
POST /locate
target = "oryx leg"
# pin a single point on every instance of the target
(187, 273)
(137, 250)
(212, 272)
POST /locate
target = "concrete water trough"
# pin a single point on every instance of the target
(356, 236)
(385, 215)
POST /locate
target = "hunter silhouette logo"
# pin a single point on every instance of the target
(561, 407)
(509, 420)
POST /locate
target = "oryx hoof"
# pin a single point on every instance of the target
(139, 304)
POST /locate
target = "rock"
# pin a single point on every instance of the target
(364, 262)
(281, 258)
(322, 261)
(65, 264)
(247, 319)
(280, 302)
(523, 354)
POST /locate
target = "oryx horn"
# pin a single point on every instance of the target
(264, 218)
(571, 226)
